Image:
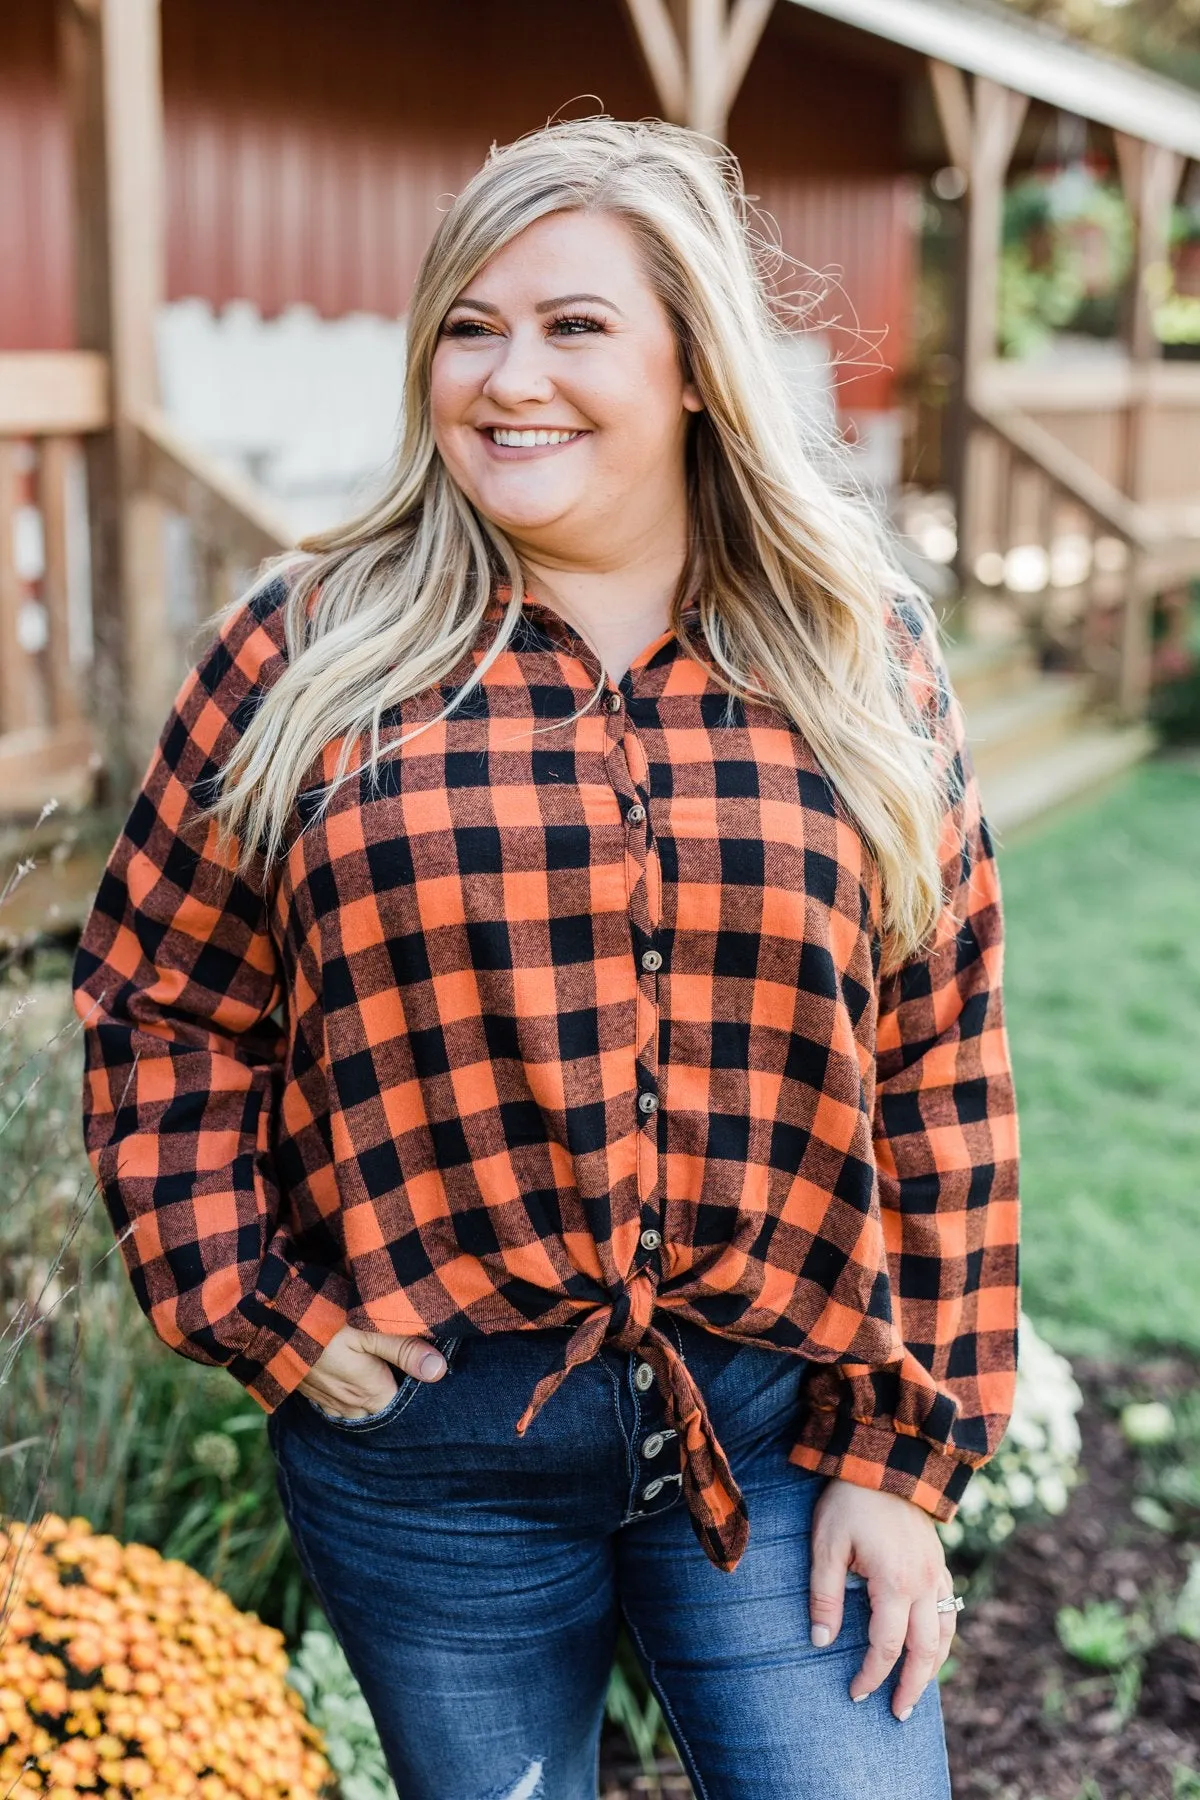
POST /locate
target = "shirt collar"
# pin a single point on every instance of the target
(551, 631)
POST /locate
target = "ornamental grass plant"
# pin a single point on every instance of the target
(97, 1418)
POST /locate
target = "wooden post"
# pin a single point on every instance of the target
(14, 696)
(697, 53)
(981, 128)
(998, 116)
(1150, 176)
(111, 60)
(53, 477)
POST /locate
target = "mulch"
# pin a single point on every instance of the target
(1024, 1720)
(1027, 1722)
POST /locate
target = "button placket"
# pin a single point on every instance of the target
(645, 896)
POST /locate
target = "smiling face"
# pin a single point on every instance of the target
(558, 401)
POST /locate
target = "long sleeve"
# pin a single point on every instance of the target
(177, 982)
(945, 1140)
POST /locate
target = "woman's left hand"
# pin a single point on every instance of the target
(894, 1545)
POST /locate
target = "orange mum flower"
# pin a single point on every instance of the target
(128, 1677)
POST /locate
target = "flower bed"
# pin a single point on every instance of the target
(124, 1674)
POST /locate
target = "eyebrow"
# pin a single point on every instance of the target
(543, 306)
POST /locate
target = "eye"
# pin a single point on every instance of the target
(575, 324)
(461, 328)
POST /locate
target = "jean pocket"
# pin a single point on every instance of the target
(406, 1390)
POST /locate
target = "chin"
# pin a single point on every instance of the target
(524, 514)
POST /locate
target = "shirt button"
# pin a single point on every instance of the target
(643, 1377)
(647, 1103)
(636, 814)
(652, 959)
(651, 1240)
(613, 703)
(653, 1445)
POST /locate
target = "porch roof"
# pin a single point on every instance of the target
(1034, 58)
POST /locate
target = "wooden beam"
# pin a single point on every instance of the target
(46, 393)
(663, 54)
(953, 102)
(706, 67)
(698, 70)
(747, 22)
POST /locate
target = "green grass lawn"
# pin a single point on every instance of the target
(1103, 986)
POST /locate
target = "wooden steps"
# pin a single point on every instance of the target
(46, 766)
(1077, 768)
(1037, 742)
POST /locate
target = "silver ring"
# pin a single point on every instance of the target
(952, 1603)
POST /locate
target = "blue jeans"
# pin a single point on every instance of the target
(476, 1581)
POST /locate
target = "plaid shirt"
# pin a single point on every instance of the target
(567, 1021)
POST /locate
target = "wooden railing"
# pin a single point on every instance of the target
(1078, 561)
(233, 526)
(53, 731)
(48, 404)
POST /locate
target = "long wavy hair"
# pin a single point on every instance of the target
(787, 559)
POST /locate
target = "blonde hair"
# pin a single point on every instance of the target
(789, 563)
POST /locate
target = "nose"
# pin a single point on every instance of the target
(519, 372)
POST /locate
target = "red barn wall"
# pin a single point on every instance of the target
(309, 146)
(37, 283)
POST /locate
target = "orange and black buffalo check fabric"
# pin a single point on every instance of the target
(567, 1021)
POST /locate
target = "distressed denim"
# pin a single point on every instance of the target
(477, 1580)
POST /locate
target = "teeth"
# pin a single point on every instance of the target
(528, 440)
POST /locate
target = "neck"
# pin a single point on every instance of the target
(619, 605)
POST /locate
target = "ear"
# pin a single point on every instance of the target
(691, 399)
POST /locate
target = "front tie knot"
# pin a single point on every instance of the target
(630, 1312)
(714, 1500)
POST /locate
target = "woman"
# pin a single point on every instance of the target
(557, 945)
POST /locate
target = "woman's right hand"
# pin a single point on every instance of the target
(353, 1376)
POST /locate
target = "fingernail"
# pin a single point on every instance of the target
(906, 1714)
(821, 1635)
(432, 1366)
(858, 1697)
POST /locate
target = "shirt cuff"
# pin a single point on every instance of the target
(297, 1308)
(879, 1455)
